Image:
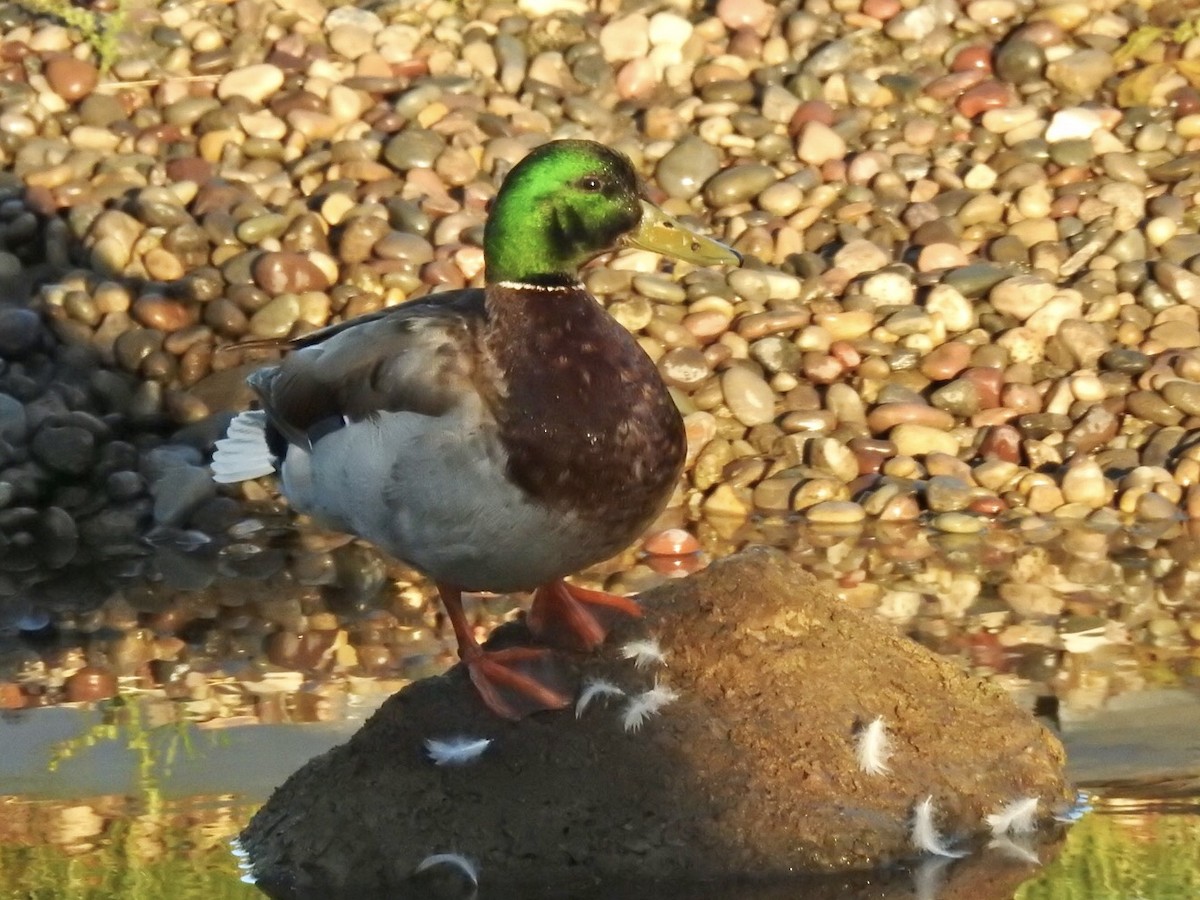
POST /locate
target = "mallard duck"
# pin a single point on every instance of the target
(496, 439)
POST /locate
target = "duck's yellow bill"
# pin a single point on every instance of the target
(660, 233)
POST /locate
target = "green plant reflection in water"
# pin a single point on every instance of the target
(48, 872)
(1143, 854)
(133, 847)
(124, 713)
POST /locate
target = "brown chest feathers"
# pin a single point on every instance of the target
(586, 420)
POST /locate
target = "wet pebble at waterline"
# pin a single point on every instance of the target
(971, 295)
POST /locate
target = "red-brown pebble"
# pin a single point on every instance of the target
(735, 14)
(863, 484)
(1096, 428)
(832, 172)
(974, 58)
(637, 80)
(188, 168)
(1064, 176)
(1001, 442)
(410, 68)
(881, 10)
(675, 566)
(162, 133)
(71, 78)
(283, 272)
(163, 314)
(671, 542)
(444, 273)
(1184, 101)
(986, 650)
(11, 696)
(14, 51)
(1063, 206)
(1042, 32)
(1022, 398)
(42, 200)
(987, 506)
(821, 368)
(216, 196)
(810, 111)
(745, 43)
(952, 85)
(944, 362)
(758, 325)
(871, 453)
(845, 353)
(988, 384)
(91, 683)
(990, 94)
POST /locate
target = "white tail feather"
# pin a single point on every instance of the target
(243, 453)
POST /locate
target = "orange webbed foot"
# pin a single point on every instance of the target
(576, 618)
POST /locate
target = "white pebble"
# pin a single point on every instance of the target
(1073, 124)
(669, 30)
(255, 82)
(748, 396)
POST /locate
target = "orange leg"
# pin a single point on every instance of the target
(575, 618)
(512, 683)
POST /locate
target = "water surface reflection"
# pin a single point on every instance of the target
(112, 848)
(175, 693)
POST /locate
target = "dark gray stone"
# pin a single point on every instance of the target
(69, 449)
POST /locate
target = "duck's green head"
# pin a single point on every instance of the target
(568, 201)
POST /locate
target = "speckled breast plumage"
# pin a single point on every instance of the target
(586, 420)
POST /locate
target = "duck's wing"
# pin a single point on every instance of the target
(419, 357)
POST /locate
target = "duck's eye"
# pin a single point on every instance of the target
(591, 183)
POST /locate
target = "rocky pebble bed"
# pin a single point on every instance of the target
(968, 327)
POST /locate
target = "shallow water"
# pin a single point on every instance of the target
(138, 795)
(130, 847)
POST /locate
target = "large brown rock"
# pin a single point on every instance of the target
(751, 772)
